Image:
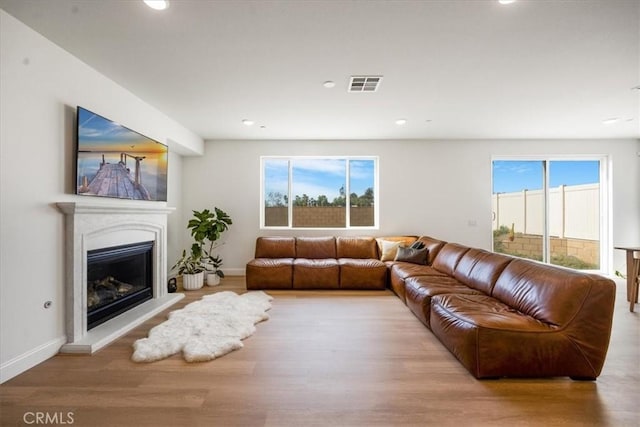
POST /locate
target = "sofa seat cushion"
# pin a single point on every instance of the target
(420, 289)
(315, 273)
(362, 273)
(269, 273)
(491, 339)
(400, 271)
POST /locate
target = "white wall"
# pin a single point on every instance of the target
(174, 199)
(438, 188)
(40, 86)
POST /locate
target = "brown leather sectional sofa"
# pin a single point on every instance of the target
(500, 316)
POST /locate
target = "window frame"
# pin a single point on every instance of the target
(347, 159)
(605, 203)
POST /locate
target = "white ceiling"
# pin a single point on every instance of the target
(452, 68)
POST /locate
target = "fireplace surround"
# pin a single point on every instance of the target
(92, 227)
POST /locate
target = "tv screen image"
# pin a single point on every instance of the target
(114, 161)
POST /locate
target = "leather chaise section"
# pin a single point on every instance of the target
(491, 339)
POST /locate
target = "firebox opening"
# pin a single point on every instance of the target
(118, 279)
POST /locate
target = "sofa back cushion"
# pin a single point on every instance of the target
(480, 269)
(356, 247)
(550, 294)
(316, 247)
(433, 247)
(448, 257)
(275, 247)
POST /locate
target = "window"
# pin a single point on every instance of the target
(551, 210)
(314, 192)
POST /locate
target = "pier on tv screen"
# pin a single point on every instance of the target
(114, 161)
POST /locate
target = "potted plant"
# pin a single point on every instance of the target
(214, 274)
(207, 228)
(191, 268)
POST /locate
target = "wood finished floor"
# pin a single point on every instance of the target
(323, 359)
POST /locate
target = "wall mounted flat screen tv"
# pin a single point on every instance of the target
(114, 161)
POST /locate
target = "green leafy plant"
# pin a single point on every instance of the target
(572, 262)
(498, 236)
(190, 263)
(213, 265)
(206, 229)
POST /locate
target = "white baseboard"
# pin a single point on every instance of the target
(28, 360)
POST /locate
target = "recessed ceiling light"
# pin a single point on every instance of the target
(610, 121)
(506, 1)
(401, 122)
(157, 4)
(329, 84)
(248, 122)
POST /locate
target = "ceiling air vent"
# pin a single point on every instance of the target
(364, 83)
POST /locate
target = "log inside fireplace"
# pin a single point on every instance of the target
(118, 279)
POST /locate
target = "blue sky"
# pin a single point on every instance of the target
(314, 177)
(510, 175)
(95, 133)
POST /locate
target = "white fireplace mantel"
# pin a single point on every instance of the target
(92, 226)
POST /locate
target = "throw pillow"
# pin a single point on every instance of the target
(389, 250)
(417, 245)
(415, 256)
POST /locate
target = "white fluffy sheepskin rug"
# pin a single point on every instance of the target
(205, 329)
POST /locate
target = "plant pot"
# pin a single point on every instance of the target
(191, 282)
(213, 279)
